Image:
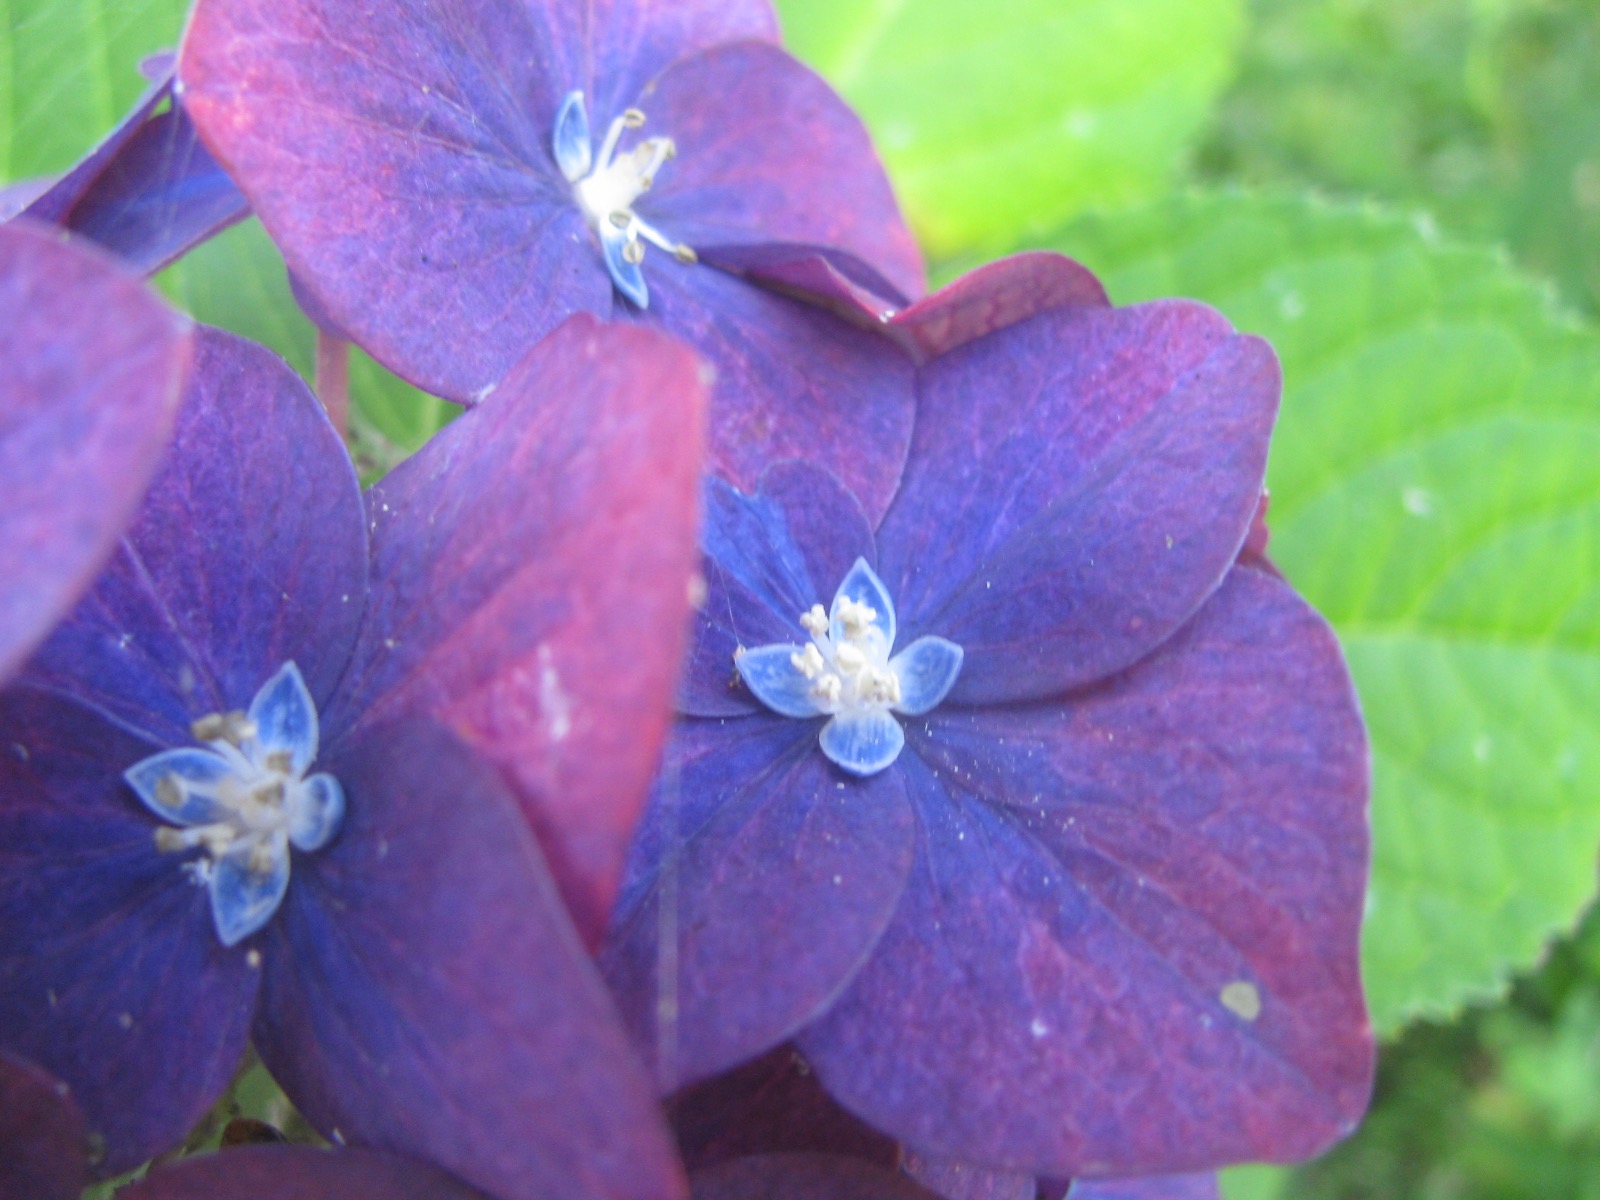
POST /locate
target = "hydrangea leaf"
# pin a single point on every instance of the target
(1434, 493)
(1064, 102)
(68, 71)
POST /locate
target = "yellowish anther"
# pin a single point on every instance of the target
(809, 662)
(168, 792)
(281, 761)
(850, 658)
(633, 118)
(686, 254)
(815, 621)
(620, 219)
(633, 252)
(829, 688)
(169, 840)
(235, 728)
(856, 616)
(261, 859)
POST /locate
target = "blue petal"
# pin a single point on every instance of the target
(628, 276)
(927, 669)
(574, 151)
(864, 587)
(244, 899)
(285, 717)
(770, 673)
(863, 743)
(191, 798)
(317, 813)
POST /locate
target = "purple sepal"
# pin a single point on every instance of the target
(770, 1105)
(158, 197)
(768, 558)
(14, 197)
(59, 199)
(43, 1145)
(111, 976)
(1148, 925)
(793, 381)
(750, 955)
(298, 1173)
(531, 571)
(954, 1180)
(803, 1177)
(94, 364)
(249, 552)
(423, 991)
(1150, 1187)
(992, 297)
(768, 152)
(1077, 485)
(840, 282)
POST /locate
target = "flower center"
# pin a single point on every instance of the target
(606, 186)
(243, 800)
(844, 672)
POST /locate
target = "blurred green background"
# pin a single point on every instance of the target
(1404, 196)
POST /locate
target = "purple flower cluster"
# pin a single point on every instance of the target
(787, 738)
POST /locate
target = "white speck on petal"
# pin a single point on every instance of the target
(1242, 999)
(553, 702)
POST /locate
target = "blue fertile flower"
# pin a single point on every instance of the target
(272, 779)
(1046, 842)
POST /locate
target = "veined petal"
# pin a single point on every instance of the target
(179, 786)
(317, 813)
(247, 885)
(927, 670)
(863, 586)
(863, 743)
(770, 672)
(285, 717)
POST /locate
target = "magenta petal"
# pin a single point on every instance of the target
(403, 167)
(1146, 927)
(111, 974)
(93, 367)
(768, 152)
(803, 1177)
(632, 40)
(297, 1173)
(759, 884)
(768, 558)
(771, 1105)
(1149, 1187)
(531, 572)
(43, 1146)
(792, 381)
(424, 992)
(994, 296)
(1077, 485)
(249, 552)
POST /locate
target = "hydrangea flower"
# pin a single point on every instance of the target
(449, 180)
(255, 786)
(1102, 869)
(99, 407)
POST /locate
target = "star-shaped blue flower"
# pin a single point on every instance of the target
(1046, 839)
(275, 777)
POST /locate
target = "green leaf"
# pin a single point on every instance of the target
(1008, 117)
(68, 70)
(1435, 492)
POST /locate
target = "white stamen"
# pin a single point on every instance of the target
(815, 621)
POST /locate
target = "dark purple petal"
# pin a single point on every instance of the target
(14, 197)
(793, 381)
(954, 1180)
(993, 296)
(1134, 920)
(159, 197)
(1077, 485)
(297, 1173)
(759, 884)
(43, 1146)
(249, 552)
(803, 1177)
(424, 992)
(771, 1105)
(111, 975)
(768, 558)
(93, 367)
(531, 572)
(402, 164)
(840, 282)
(54, 204)
(1149, 1187)
(768, 152)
